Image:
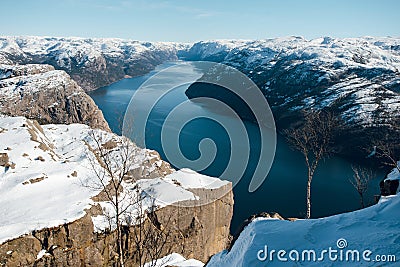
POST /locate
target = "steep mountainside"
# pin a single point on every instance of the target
(47, 95)
(56, 216)
(92, 63)
(358, 79)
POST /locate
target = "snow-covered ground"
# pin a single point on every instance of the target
(91, 62)
(367, 237)
(177, 260)
(31, 84)
(45, 171)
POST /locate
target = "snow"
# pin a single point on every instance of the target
(33, 83)
(56, 199)
(41, 254)
(165, 192)
(55, 104)
(190, 179)
(370, 91)
(38, 190)
(158, 192)
(177, 260)
(331, 58)
(394, 174)
(375, 228)
(81, 51)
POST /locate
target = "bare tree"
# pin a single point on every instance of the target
(387, 152)
(314, 139)
(140, 237)
(386, 147)
(360, 181)
(150, 238)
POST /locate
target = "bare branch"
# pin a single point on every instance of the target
(360, 181)
(140, 237)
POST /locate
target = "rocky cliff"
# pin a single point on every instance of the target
(47, 95)
(54, 217)
(198, 233)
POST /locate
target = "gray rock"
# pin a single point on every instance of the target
(49, 96)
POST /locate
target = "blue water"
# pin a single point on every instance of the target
(284, 190)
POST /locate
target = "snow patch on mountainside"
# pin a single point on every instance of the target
(175, 259)
(190, 179)
(367, 51)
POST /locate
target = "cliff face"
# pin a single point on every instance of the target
(49, 96)
(203, 231)
(53, 219)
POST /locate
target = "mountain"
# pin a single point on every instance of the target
(358, 75)
(92, 63)
(356, 78)
(54, 215)
(39, 92)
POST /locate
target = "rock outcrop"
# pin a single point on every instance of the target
(390, 185)
(197, 232)
(52, 216)
(49, 96)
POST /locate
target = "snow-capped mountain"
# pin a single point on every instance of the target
(356, 78)
(92, 63)
(360, 76)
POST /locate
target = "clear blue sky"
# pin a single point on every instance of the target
(193, 20)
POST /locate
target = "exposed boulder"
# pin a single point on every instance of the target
(4, 159)
(389, 187)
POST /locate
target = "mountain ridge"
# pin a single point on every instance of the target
(359, 78)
